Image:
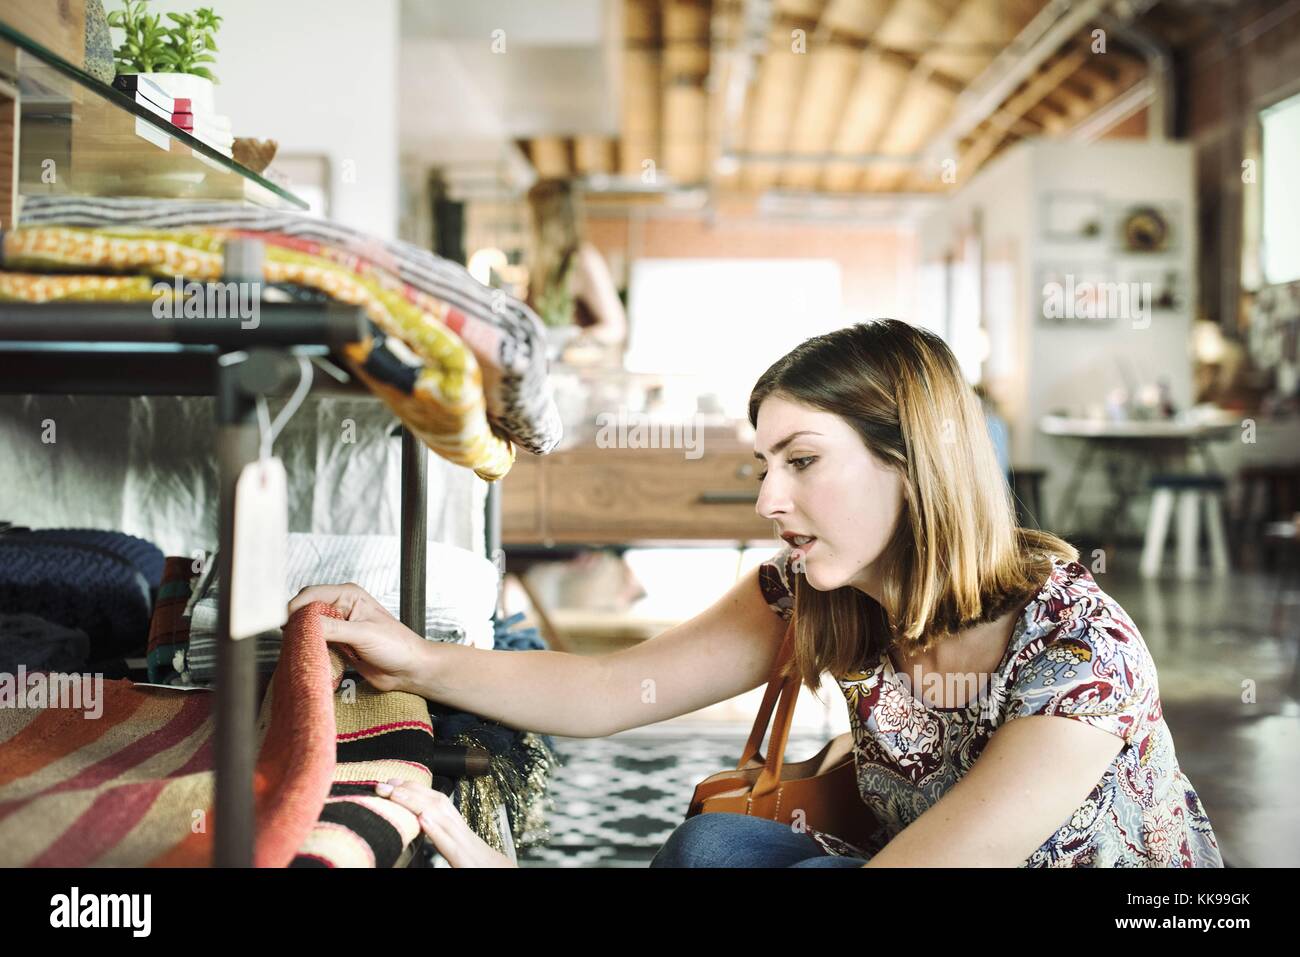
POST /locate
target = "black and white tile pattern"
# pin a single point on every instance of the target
(615, 800)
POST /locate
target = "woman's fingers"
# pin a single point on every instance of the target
(431, 807)
(342, 597)
(355, 603)
(419, 800)
(444, 825)
(336, 631)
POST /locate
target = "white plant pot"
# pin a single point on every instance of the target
(198, 89)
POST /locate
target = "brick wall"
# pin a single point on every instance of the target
(878, 263)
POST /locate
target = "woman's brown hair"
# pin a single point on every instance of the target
(956, 557)
(556, 238)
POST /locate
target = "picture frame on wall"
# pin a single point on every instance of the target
(1070, 216)
(1166, 288)
(1077, 295)
(1146, 228)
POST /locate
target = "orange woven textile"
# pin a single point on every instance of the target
(134, 785)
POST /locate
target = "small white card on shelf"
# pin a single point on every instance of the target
(147, 131)
(257, 588)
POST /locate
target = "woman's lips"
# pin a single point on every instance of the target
(801, 551)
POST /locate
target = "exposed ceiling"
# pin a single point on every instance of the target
(755, 97)
(860, 96)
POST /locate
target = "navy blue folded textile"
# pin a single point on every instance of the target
(101, 582)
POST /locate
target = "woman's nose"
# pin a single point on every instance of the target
(772, 499)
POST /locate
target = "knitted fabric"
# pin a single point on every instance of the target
(32, 642)
(506, 336)
(378, 736)
(135, 786)
(421, 369)
(100, 582)
(383, 735)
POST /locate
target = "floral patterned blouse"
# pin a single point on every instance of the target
(1074, 653)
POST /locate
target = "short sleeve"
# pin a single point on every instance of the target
(776, 584)
(1096, 670)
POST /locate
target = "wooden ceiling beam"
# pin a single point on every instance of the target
(1017, 105)
(1064, 108)
(642, 97)
(828, 82)
(927, 105)
(776, 95)
(974, 34)
(550, 157)
(879, 84)
(685, 67)
(880, 80)
(593, 155)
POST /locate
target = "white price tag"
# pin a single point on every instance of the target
(257, 588)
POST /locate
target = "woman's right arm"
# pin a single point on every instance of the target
(725, 650)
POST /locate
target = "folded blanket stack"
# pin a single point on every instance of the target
(386, 735)
(378, 736)
(420, 368)
(506, 336)
(419, 299)
(39, 645)
(133, 785)
(169, 629)
(99, 582)
(460, 595)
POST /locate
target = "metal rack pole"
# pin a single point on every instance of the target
(237, 442)
(414, 532)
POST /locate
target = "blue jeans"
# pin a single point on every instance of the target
(724, 839)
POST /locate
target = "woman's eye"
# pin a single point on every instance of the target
(799, 463)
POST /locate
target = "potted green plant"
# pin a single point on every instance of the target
(174, 57)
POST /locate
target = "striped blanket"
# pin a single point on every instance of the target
(423, 370)
(169, 631)
(134, 785)
(506, 336)
(381, 735)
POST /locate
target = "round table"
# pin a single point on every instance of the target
(1131, 451)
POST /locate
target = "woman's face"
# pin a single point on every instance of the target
(821, 481)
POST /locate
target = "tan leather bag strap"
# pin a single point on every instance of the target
(771, 774)
(775, 687)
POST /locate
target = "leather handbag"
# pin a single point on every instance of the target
(820, 793)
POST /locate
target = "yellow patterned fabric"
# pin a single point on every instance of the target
(445, 408)
(24, 287)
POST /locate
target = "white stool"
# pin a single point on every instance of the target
(1189, 490)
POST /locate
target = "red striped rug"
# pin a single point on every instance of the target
(133, 786)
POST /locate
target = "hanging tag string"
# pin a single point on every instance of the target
(270, 431)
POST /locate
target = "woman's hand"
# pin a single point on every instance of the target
(383, 650)
(443, 824)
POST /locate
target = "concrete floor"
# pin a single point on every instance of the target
(1228, 670)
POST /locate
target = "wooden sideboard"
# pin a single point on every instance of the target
(617, 496)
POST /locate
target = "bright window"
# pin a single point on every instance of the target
(1281, 158)
(724, 321)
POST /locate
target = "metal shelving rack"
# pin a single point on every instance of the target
(121, 349)
(107, 144)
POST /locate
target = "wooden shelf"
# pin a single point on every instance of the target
(74, 135)
(619, 496)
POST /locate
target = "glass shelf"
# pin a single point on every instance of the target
(78, 136)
